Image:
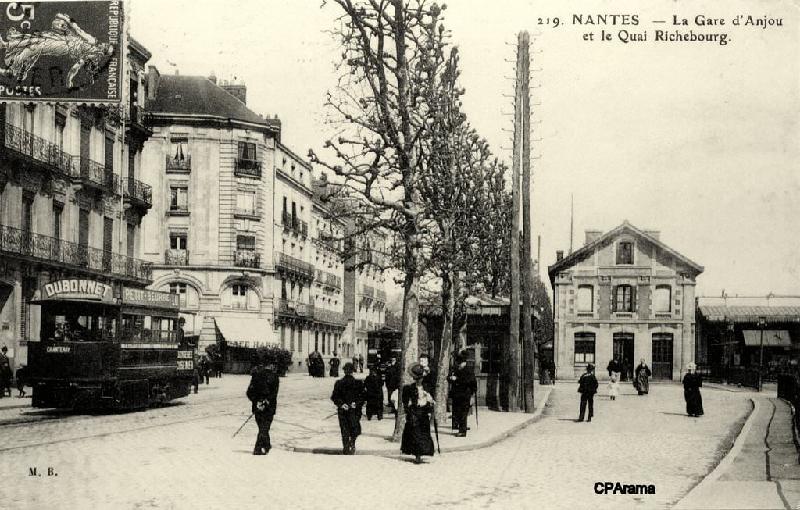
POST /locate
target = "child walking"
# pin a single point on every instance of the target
(613, 388)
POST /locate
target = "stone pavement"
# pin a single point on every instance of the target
(762, 470)
(183, 456)
(486, 429)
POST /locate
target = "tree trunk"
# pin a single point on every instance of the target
(445, 346)
(528, 347)
(410, 352)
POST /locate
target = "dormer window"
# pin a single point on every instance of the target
(625, 252)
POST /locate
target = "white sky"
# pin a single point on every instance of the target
(697, 140)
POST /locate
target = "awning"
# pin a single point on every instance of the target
(251, 331)
(772, 338)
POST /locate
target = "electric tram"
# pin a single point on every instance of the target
(107, 347)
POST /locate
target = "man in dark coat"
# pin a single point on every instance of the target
(348, 395)
(21, 381)
(587, 387)
(462, 386)
(5, 372)
(374, 394)
(263, 393)
(392, 381)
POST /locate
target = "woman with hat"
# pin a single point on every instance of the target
(692, 382)
(418, 405)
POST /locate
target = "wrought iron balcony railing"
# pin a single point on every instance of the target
(368, 291)
(247, 168)
(40, 151)
(247, 258)
(329, 317)
(289, 263)
(183, 165)
(250, 213)
(176, 257)
(139, 192)
(380, 295)
(55, 252)
(98, 175)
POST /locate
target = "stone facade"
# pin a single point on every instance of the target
(624, 294)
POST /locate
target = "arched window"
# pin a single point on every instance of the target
(585, 298)
(240, 296)
(662, 300)
(189, 296)
(584, 347)
(624, 298)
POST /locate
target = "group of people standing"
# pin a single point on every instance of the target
(316, 364)
(588, 385)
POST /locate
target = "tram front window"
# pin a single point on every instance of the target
(146, 328)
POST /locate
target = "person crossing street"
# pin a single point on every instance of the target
(348, 395)
(587, 387)
(263, 393)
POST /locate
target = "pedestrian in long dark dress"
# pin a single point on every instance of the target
(641, 378)
(418, 405)
(374, 394)
(587, 387)
(692, 382)
(348, 395)
(263, 393)
(334, 364)
(462, 386)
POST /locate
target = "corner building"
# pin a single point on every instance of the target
(624, 295)
(209, 235)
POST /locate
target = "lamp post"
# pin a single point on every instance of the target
(762, 322)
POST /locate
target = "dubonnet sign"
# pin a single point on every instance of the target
(61, 51)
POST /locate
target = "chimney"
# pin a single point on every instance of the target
(592, 235)
(559, 255)
(212, 78)
(655, 234)
(237, 90)
(153, 77)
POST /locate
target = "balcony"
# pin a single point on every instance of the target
(305, 310)
(138, 194)
(329, 317)
(179, 165)
(250, 214)
(176, 257)
(368, 291)
(288, 264)
(288, 309)
(294, 224)
(380, 295)
(247, 258)
(247, 168)
(138, 118)
(329, 280)
(57, 253)
(38, 151)
(98, 177)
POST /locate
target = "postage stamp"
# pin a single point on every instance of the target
(61, 51)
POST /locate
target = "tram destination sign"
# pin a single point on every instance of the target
(76, 288)
(145, 297)
(62, 51)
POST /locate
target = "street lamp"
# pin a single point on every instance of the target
(762, 323)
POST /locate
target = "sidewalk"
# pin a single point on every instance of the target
(375, 438)
(760, 471)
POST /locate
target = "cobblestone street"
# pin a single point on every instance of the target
(183, 456)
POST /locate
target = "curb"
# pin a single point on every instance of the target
(727, 460)
(536, 416)
(3, 408)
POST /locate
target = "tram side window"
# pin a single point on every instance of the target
(83, 328)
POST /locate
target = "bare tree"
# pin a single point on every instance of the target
(393, 53)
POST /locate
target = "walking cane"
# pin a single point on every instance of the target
(436, 431)
(243, 424)
(476, 409)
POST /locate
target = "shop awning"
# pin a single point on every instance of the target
(772, 338)
(250, 331)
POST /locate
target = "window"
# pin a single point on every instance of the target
(179, 149)
(625, 252)
(58, 210)
(245, 243)
(177, 241)
(584, 347)
(247, 151)
(179, 198)
(27, 213)
(662, 299)
(131, 240)
(239, 294)
(179, 289)
(624, 298)
(585, 298)
(28, 118)
(246, 202)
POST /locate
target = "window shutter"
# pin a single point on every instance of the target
(614, 298)
(633, 298)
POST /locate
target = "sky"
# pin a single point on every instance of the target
(698, 140)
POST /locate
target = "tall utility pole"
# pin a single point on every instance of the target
(528, 347)
(511, 365)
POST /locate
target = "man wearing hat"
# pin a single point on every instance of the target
(5, 372)
(587, 387)
(348, 395)
(263, 393)
(462, 386)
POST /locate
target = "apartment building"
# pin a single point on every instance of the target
(71, 200)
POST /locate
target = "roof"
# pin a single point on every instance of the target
(625, 227)
(197, 95)
(476, 305)
(750, 313)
